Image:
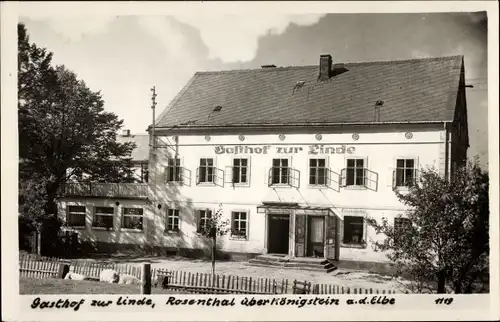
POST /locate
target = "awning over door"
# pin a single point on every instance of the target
(299, 209)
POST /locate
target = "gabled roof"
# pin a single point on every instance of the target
(419, 90)
(141, 151)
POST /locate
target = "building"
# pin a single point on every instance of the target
(92, 208)
(297, 157)
(140, 155)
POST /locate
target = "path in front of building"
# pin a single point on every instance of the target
(341, 277)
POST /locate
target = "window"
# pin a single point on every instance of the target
(132, 218)
(279, 171)
(400, 225)
(405, 172)
(103, 217)
(355, 172)
(172, 220)
(75, 216)
(317, 171)
(239, 224)
(353, 230)
(240, 170)
(203, 220)
(173, 170)
(206, 171)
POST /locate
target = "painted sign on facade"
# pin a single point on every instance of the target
(314, 149)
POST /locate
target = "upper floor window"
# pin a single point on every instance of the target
(103, 217)
(75, 216)
(317, 171)
(132, 218)
(172, 223)
(240, 170)
(173, 170)
(279, 171)
(239, 224)
(204, 216)
(206, 171)
(405, 172)
(355, 174)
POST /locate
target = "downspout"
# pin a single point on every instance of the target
(447, 142)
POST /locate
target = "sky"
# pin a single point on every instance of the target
(125, 56)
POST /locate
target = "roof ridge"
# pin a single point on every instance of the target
(377, 62)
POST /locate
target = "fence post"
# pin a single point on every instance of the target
(63, 270)
(38, 242)
(146, 279)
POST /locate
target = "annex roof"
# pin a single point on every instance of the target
(418, 90)
(141, 151)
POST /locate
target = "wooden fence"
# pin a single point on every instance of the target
(93, 269)
(336, 289)
(205, 283)
(34, 266)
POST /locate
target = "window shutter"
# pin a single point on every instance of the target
(228, 174)
(219, 177)
(371, 180)
(185, 176)
(343, 179)
(249, 170)
(197, 175)
(165, 175)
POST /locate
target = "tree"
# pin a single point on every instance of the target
(216, 226)
(63, 130)
(445, 236)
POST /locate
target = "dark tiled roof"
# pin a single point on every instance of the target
(419, 90)
(141, 151)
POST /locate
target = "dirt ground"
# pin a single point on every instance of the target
(341, 277)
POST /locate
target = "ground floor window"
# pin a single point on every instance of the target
(103, 217)
(203, 220)
(172, 220)
(353, 230)
(239, 227)
(132, 218)
(75, 216)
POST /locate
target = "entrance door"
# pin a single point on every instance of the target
(277, 241)
(316, 235)
(333, 238)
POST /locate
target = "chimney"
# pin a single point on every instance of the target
(126, 133)
(325, 67)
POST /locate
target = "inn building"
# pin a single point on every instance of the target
(296, 158)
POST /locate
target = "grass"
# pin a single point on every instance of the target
(61, 286)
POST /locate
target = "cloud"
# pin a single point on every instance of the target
(74, 28)
(167, 32)
(230, 38)
(233, 38)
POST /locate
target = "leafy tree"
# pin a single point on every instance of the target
(63, 130)
(445, 238)
(216, 226)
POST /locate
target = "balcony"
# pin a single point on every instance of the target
(110, 190)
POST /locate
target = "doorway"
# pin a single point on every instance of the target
(277, 239)
(315, 233)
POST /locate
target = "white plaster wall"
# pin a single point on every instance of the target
(380, 149)
(118, 234)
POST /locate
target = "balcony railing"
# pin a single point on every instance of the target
(97, 189)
